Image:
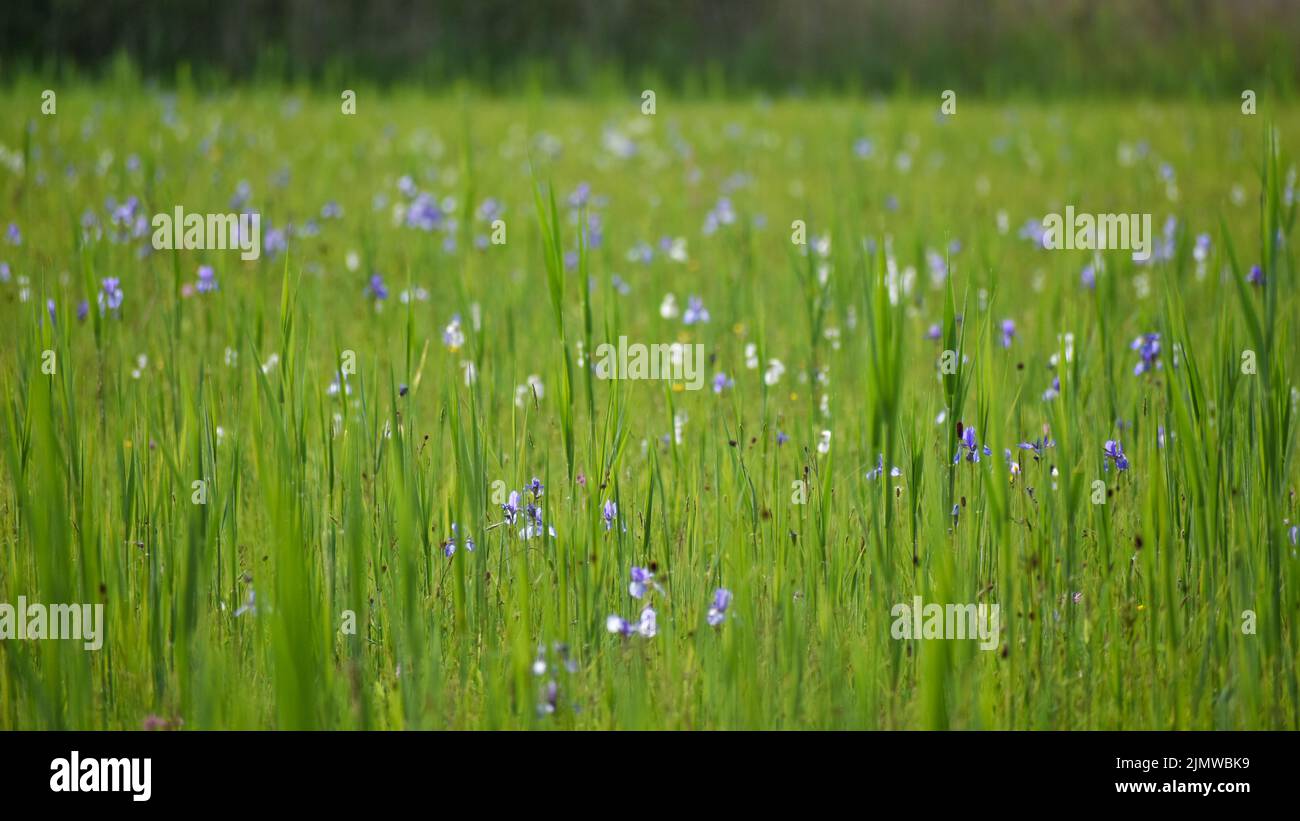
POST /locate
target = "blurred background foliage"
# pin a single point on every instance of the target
(998, 47)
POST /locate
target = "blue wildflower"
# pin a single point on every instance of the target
(695, 311)
(1148, 347)
(207, 280)
(718, 612)
(1113, 451)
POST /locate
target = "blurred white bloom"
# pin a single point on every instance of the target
(647, 626)
(668, 308)
(1068, 340)
(774, 371)
(1142, 284)
(822, 245)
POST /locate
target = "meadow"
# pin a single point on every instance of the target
(289, 480)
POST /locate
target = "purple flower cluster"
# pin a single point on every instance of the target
(1148, 348)
(532, 511)
(110, 294)
(449, 546)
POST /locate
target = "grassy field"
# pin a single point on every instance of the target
(330, 495)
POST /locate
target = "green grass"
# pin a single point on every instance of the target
(324, 503)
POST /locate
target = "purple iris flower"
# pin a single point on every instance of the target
(376, 288)
(449, 547)
(13, 235)
(243, 192)
(207, 280)
(937, 264)
(535, 487)
(1256, 275)
(331, 210)
(1113, 451)
(423, 213)
(1089, 277)
(718, 612)
(781, 438)
(124, 215)
(971, 445)
(511, 508)
(534, 526)
(1008, 332)
(594, 232)
(610, 513)
(110, 294)
(489, 209)
(1038, 446)
(552, 697)
(1033, 230)
(275, 241)
(1054, 390)
(721, 382)
(879, 469)
(1148, 347)
(619, 625)
(1202, 249)
(83, 310)
(580, 196)
(722, 214)
(641, 578)
(646, 625)
(934, 331)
